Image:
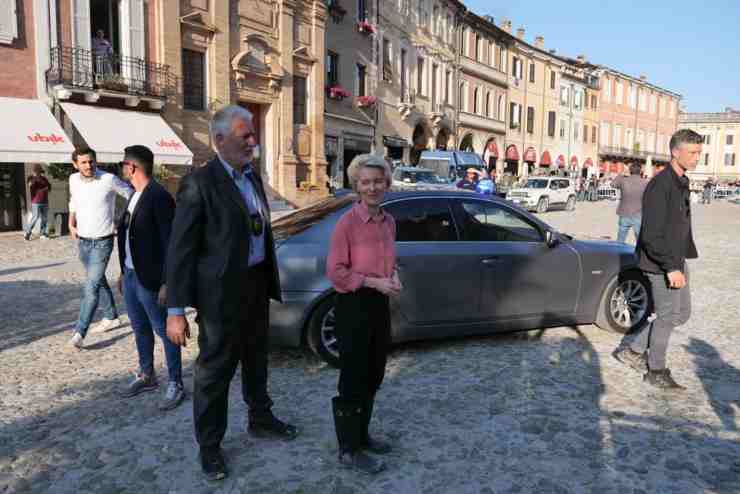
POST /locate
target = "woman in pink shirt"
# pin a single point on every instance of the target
(362, 268)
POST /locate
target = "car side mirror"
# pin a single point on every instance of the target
(551, 238)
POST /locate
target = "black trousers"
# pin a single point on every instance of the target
(363, 333)
(224, 343)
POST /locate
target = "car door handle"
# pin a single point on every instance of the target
(490, 261)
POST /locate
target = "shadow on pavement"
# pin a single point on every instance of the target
(719, 379)
(8, 272)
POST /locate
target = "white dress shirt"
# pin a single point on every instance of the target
(131, 208)
(93, 202)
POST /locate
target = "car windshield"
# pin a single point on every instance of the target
(303, 219)
(536, 184)
(438, 166)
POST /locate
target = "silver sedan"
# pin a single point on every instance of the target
(469, 264)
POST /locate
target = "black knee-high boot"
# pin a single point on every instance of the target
(349, 422)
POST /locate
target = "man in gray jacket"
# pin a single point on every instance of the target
(632, 188)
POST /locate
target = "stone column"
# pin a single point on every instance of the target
(286, 179)
(316, 119)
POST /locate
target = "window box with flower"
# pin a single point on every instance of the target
(365, 27)
(337, 93)
(366, 101)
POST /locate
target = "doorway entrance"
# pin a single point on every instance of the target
(11, 196)
(104, 15)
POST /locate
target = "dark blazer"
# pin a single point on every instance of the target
(666, 238)
(210, 241)
(150, 228)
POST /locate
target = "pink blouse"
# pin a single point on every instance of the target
(361, 246)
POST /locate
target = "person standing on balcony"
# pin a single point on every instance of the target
(91, 211)
(40, 187)
(103, 53)
(632, 187)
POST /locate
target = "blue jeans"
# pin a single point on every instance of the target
(146, 314)
(94, 255)
(627, 222)
(38, 212)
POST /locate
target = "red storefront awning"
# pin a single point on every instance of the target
(545, 160)
(561, 161)
(573, 162)
(530, 155)
(613, 167)
(588, 163)
(512, 154)
(493, 149)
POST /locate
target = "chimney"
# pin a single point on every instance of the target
(643, 77)
(520, 33)
(506, 25)
(552, 51)
(539, 42)
(729, 109)
(489, 18)
(581, 59)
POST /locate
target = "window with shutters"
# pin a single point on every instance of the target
(361, 80)
(585, 133)
(300, 101)
(562, 129)
(387, 62)
(8, 22)
(730, 139)
(532, 69)
(488, 104)
(420, 76)
(552, 79)
(530, 120)
(551, 124)
(404, 96)
(332, 69)
(593, 134)
(513, 115)
(729, 159)
(193, 80)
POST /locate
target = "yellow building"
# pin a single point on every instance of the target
(721, 149)
(265, 55)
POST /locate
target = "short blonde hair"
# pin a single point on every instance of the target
(368, 161)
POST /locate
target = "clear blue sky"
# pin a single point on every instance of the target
(689, 47)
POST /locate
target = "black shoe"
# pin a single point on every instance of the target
(213, 464)
(368, 443)
(632, 359)
(361, 462)
(27, 236)
(662, 379)
(268, 425)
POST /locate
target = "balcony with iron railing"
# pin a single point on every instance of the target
(634, 153)
(484, 71)
(484, 123)
(79, 69)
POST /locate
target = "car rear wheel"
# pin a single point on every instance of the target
(542, 205)
(571, 204)
(626, 303)
(321, 332)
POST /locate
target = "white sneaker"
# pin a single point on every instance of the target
(105, 324)
(76, 341)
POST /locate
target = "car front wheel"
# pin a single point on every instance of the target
(571, 204)
(321, 332)
(626, 303)
(542, 205)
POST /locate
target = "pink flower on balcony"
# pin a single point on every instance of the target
(338, 92)
(366, 101)
(365, 27)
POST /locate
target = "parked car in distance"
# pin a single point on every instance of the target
(541, 194)
(411, 178)
(469, 264)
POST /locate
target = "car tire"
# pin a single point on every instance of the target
(542, 205)
(626, 295)
(571, 204)
(320, 335)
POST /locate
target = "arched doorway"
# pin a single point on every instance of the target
(511, 165)
(490, 155)
(419, 139)
(467, 143)
(443, 136)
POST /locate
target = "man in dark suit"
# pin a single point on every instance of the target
(143, 237)
(221, 261)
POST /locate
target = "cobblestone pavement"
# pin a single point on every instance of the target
(536, 412)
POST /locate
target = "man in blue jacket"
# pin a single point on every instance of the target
(143, 237)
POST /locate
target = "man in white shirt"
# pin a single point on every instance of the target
(91, 211)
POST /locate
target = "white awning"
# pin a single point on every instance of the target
(108, 131)
(30, 134)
